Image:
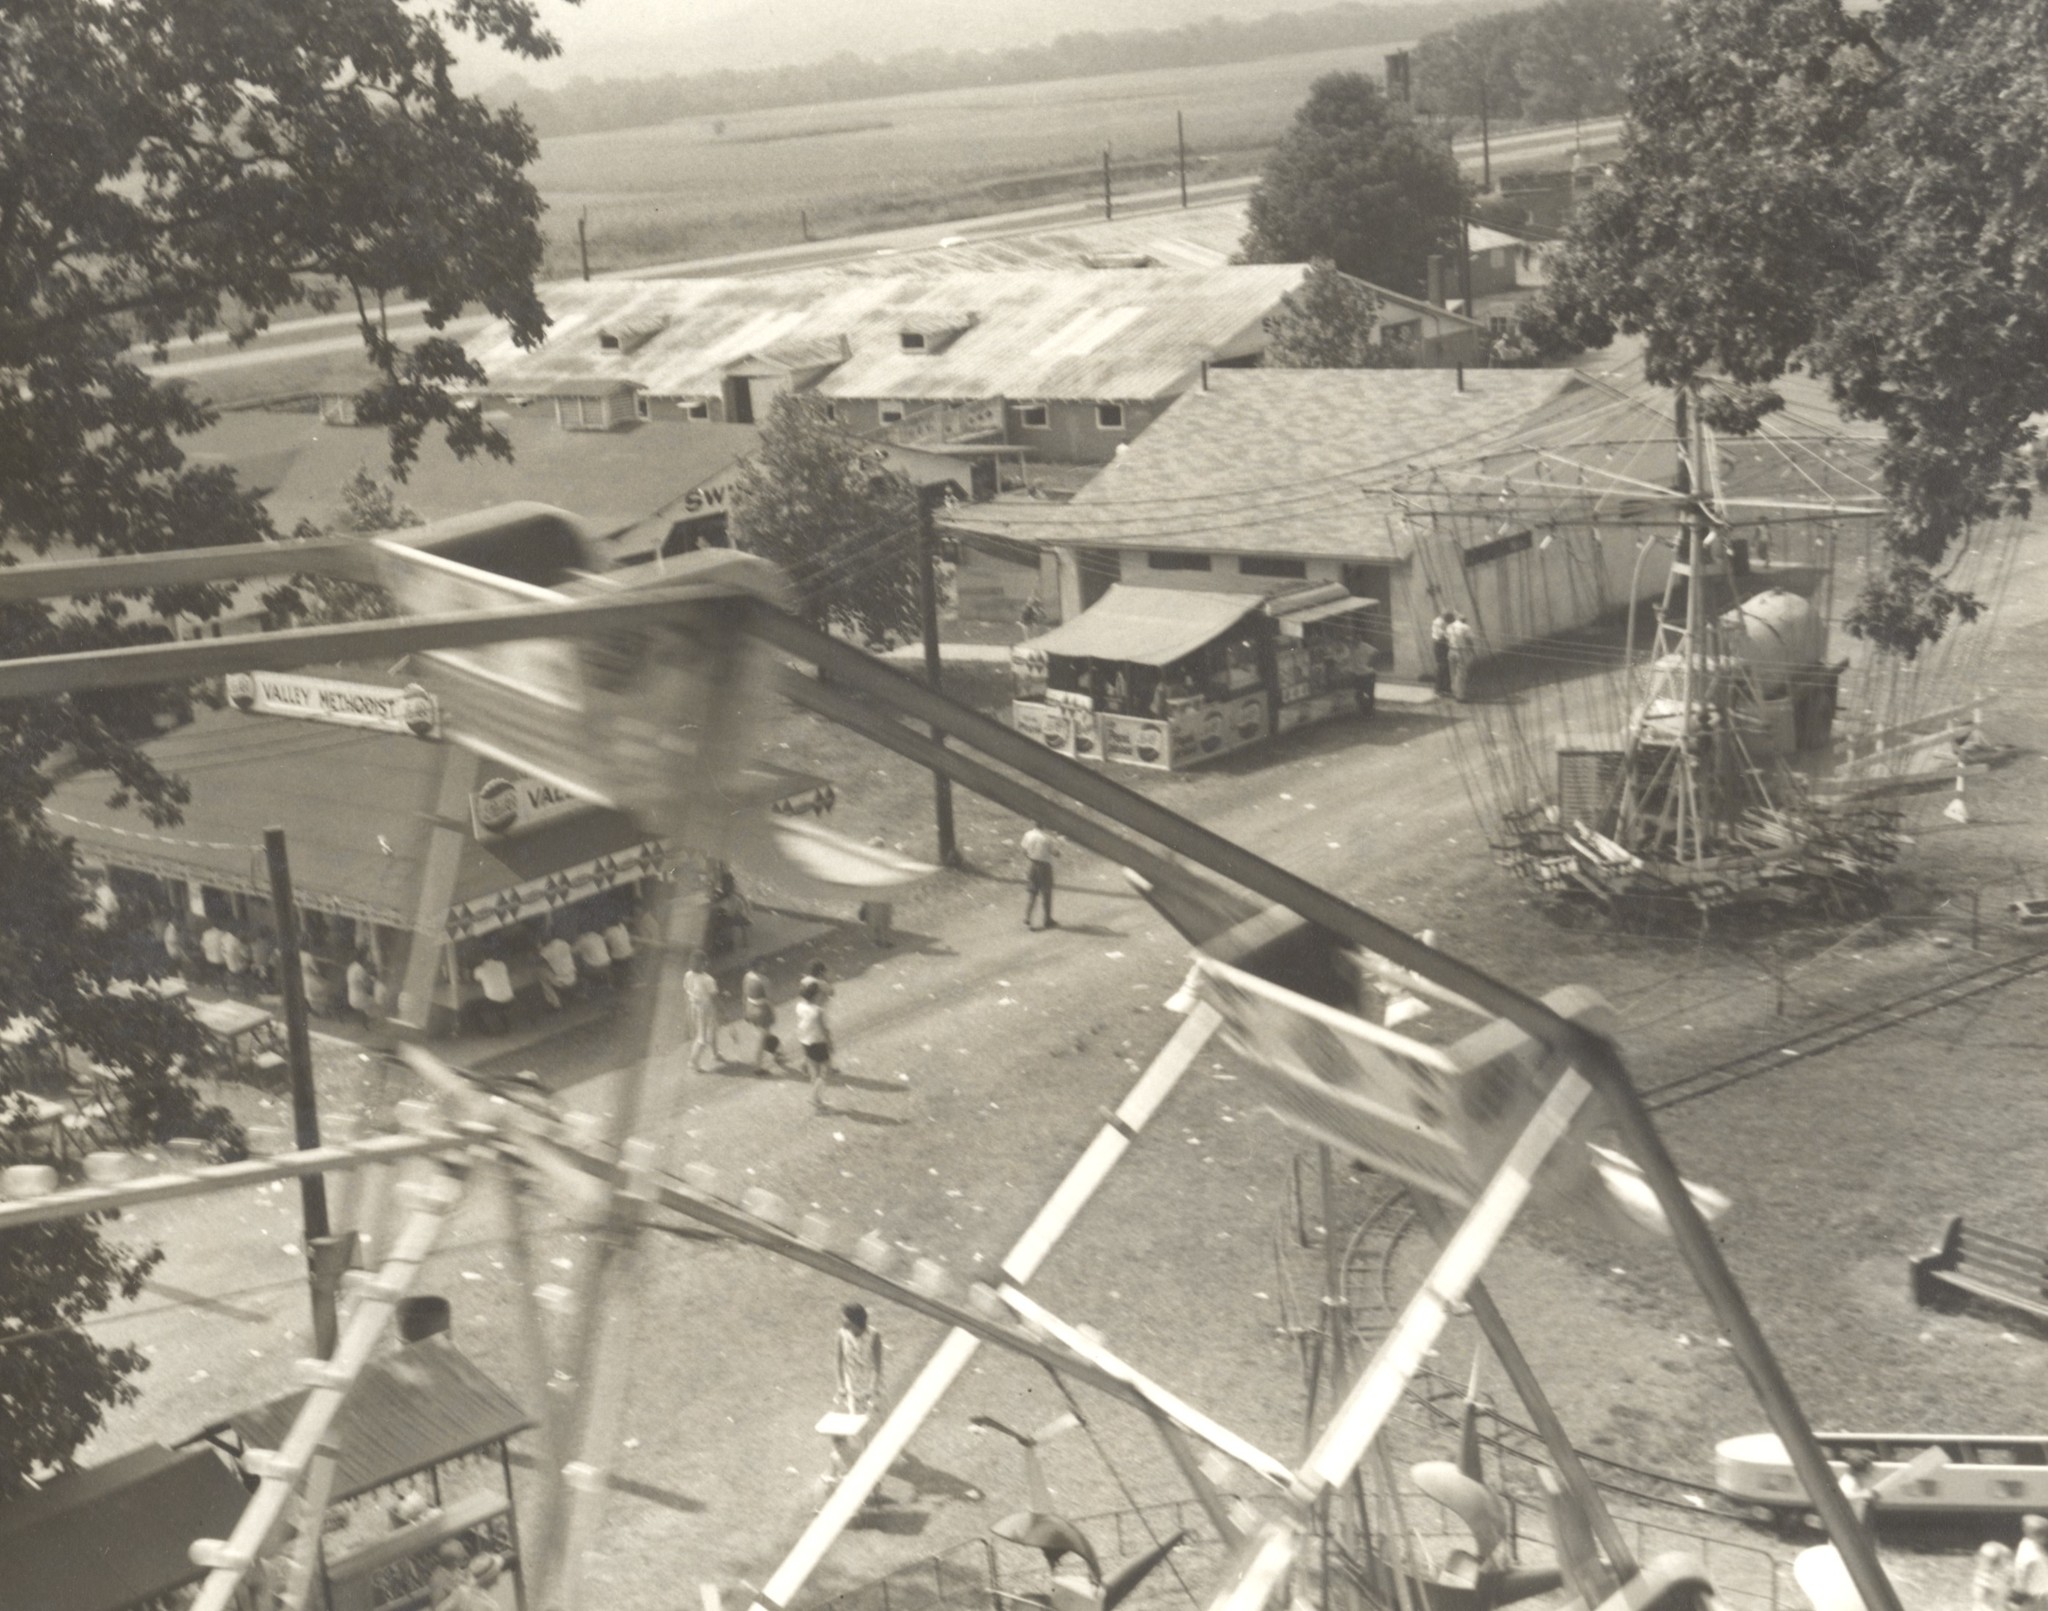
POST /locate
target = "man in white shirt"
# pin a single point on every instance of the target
(618, 942)
(494, 1012)
(594, 956)
(234, 962)
(362, 989)
(558, 963)
(209, 951)
(1464, 646)
(1039, 850)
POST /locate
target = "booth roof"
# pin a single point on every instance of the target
(1147, 626)
(116, 1535)
(410, 1409)
(356, 807)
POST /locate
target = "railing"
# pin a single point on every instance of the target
(964, 1576)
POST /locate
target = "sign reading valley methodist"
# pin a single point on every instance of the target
(410, 709)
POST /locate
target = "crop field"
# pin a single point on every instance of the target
(705, 186)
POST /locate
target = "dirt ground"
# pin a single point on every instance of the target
(978, 1058)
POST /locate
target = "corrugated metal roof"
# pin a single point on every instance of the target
(1054, 333)
(424, 1403)
(116, 1535)
(1147, 626)
(1277, 461)
(612, 479)
(1195, 238)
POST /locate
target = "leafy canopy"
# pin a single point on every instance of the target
(827, 508)
(1329, 321)
(1565, 59)
(1356, 180)
(1859, 194)
(169, 167)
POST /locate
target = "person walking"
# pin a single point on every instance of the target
(1440, 646)
(362, 989)
(856, 1385)
(174, 947)
(1464, 646)
(700, 990)
(1991, 1578)
(815, 1036)
(209, 951)
(1039, 849)
(234, 963)
(2030, 1564)
(759, 1012)
(815, 974)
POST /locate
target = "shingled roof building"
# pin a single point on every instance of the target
(1064, 364)
(1272, 480)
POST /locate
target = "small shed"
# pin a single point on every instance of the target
(116, 1536)
(411, 1413)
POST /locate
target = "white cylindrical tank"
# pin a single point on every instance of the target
(1776, 633)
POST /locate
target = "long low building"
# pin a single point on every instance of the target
(403, 845)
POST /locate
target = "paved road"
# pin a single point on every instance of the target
(322, 335)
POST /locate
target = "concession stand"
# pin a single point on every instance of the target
(1167, 677)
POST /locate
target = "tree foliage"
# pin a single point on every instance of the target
(1358, 181)
(1472, 68)
(1564, 59)
(169, 167)
(1859, 194)
(56, 1382)
(1329, 321)
(826, 507)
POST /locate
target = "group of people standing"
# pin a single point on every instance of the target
(1456, 647)
(757, 1012)
(2013, 1577)
(221, 957)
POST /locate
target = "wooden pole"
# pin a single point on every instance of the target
(1180, 140)
(1108, 202)
(305, 1100)
(928, 612)
(583, 240)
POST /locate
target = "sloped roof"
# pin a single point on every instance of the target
(1281, 461)
(1147, 626)
(612, 479)
(1052, 333)
(117, 1534)
(410, 1409)
(1205, 236)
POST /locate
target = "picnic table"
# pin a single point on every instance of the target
(248, 1039)
(32, 1127)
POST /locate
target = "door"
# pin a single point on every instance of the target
(1375, 582)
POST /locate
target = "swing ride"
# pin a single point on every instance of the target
(1733, 754)
(640, 695)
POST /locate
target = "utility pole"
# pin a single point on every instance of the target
(1485, 136)
(1180, 140)
(322, 1270)
(928, 610)
(803, 221)
(583, 240)
(1108, 205)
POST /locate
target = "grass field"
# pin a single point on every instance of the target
(707, 186)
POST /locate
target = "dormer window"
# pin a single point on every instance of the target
(628, 335)
(930, 335)
(913, 340)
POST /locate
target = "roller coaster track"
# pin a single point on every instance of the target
(1844, 1029)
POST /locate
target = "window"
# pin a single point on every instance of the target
(913, 341)
(1109, 416)
(1264, 565)
(891, 413)
(1497, 323)
(643, 405)
(1177, 562)
(607, 341)
(1034, 416)
(699, 410)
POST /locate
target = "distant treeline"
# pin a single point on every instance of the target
(1563, 59)
(585, 105)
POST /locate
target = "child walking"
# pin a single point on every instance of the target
(757, 1010)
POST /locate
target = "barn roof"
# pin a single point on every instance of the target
(1034, 334)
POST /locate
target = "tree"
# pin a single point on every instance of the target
(827, 508)
(1329, 321)
(1356, 180)
(167, 167)
(1575, 56)
(1858, 194)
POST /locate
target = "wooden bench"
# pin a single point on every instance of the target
(1979, 1264)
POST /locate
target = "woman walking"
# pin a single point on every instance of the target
(757, 1010)
(815, 1036)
